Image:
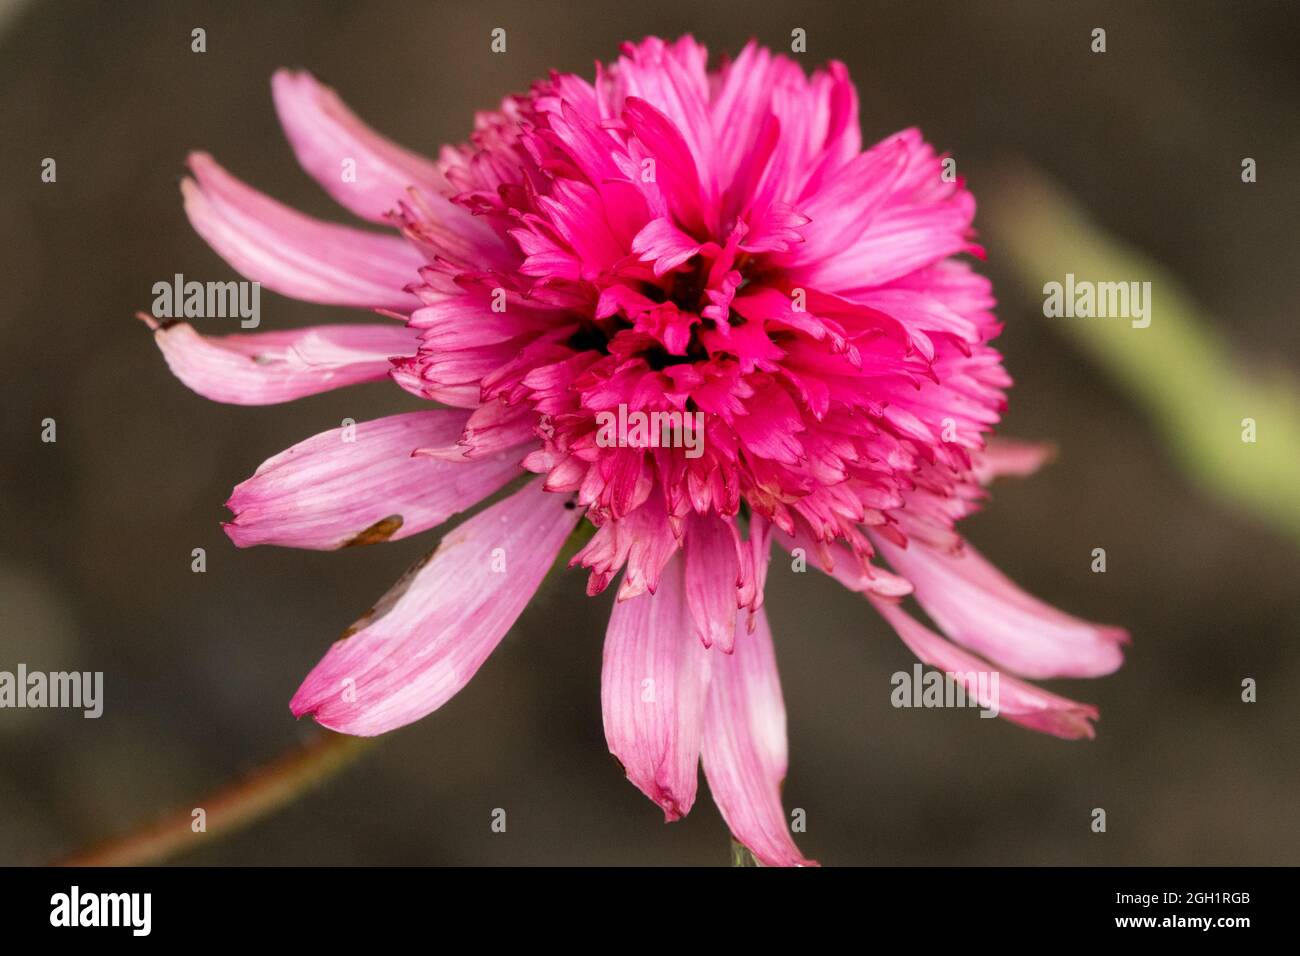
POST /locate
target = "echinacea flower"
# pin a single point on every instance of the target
(711, 245)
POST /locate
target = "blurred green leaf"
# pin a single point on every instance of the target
(1180, 369)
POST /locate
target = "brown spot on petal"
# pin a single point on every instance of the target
(390, 598)
(381, 530)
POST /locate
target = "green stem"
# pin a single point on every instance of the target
(740, 856)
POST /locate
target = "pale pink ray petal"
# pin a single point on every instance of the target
(266, 368)
(652, 690)
(754, 554)
(1006, 457)
(980, 608)
(359, 484)
(841, 564)
(1017, 701)
(364, 171)
(294, 254)
(491, 428)
(712, 579)
(744, 747)
(428, 636)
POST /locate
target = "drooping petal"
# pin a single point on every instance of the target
(364, 172)
(1013, 699)
(429, 635)
(294, 254)
(712, 578)
(360, 484)
(980, 608)
(744, 745)
(652, 690)
(754, 555)
(839, 562)
(265, 368)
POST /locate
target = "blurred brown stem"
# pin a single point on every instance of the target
(233, 806)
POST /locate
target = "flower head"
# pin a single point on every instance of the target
(704, 317)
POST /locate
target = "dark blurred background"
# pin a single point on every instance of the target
(98, 528)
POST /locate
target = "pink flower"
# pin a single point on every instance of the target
(712, 245)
